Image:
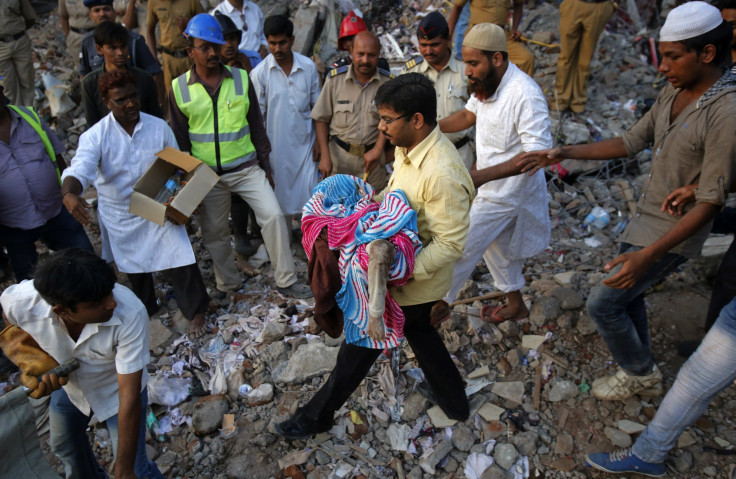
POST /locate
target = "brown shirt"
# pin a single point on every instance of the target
(180, 122)
(14, 16)
(698, 147)
(348, 107)
(168, 13)
(78, 14)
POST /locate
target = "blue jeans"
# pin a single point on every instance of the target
(462, 25)
(621, 316)
(61, 231)
(710, 369)
(70, 443)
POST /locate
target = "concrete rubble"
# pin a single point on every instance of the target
(527, 381)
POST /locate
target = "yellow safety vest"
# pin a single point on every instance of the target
(218, 130)
(30, 116)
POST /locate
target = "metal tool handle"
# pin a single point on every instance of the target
(62, 369)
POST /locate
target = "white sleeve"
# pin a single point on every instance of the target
(87, 158)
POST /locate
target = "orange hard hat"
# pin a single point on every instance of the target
(351, 25)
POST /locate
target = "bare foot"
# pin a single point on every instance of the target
(196, 326)
(510, 312)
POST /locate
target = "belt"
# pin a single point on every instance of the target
(240, 167)
(12, 38)
(81, 31)
(174, 53)
(357, 150)
(460, 143)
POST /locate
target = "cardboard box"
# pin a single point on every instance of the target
(199, 181)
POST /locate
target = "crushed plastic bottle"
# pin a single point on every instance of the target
(598, 218)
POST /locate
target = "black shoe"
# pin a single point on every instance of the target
(687, 348)
(300, 427)
(425, 390)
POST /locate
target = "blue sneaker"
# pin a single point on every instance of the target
(624, 460)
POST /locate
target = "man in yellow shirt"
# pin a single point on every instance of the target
(438, 187)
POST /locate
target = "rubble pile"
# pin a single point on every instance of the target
(214, 401)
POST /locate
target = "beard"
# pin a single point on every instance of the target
(484, 87)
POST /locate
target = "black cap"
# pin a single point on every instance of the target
(432, 26)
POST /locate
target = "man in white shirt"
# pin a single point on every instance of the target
(509, 220)
(74, 309)
(287, 85)
(248, 17)
(113, 155)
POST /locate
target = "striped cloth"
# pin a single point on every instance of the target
(344, 205)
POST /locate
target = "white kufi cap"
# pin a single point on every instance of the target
(689, 20)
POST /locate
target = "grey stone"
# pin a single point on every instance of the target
(710, 471)
(618, 438)
(414, 406)
(632, 407)
(585, 325)
(630, 427)
(564, 444)
(505, 455)
(495, 472)
(469, 290)
(305, 28)
(263, 440)
(544, 309)
(684, 462)
(569, 298)
(272, 331)
(261, 395)
(561, 389)
(512, 390)
(510, 329)
(151, 452)
(208, 413)
(525, 442)
(490, 412)
(514, 357)
(686, 439)
(309, 360)
(166, 461)
(462, 437)
(441, 449)
(566, 278)
(158, 334)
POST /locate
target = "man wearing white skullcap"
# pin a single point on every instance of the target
(691, 126)
(509, 219)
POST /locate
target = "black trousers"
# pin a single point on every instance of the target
(725, 286)
(354, 362)
(189, 289)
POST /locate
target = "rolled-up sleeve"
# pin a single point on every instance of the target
(446, 213)
(131, 353)
(641, 134)
(87, 159)
(719, 161)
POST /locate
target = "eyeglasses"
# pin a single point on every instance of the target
(207, 47)
(391, 120)
(135, 98)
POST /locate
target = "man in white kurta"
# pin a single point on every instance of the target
(287, 85)
(248, 17)
(509, 219)
(113, 160)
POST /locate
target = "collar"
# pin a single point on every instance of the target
(351, 75)
(419, 153)
(452, 64)
(43, 309)
(231, 8)
(195, 78)
(296, 63)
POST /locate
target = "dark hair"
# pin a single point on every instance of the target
(73, 276)
(724, 4)
(114, 79)
(408, 94)
(489, 55)
(107, 33)
(719, 37)
(278, 25)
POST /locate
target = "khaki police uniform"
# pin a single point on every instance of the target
(497, 12)
(349, 109)
(16, 58)
(79, 24)
(581, 23)
(451, 85)
(173, 45)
